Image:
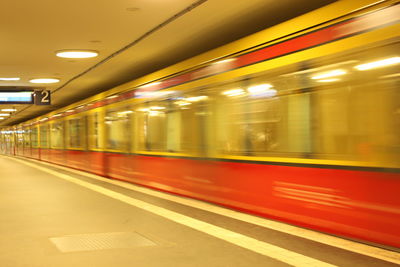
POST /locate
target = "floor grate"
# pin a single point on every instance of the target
(100, 241)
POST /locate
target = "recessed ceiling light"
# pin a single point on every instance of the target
(45, 80)
(77, 53)
(8, 109)
(234, 92)
(378, 64)
(10, 79)
(328, 80)
(4, 114)
(261, 88)
(332, 73)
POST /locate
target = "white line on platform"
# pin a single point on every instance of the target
(263, 248)
(329, 240)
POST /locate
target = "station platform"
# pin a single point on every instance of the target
(53, 216)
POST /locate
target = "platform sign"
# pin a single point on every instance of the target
(16, 97)
(42, 97)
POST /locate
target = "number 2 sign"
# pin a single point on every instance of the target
(42, 97)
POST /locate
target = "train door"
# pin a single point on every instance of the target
(170, 140)
(76, 142)
(57, 142)
(19, 135)
(95, 141)
(27, 141)
(34, 136)
(44, 141)
(171, 126)
(8, 139)
(118, 141)
(195, 110)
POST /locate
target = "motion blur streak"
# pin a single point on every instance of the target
(283, 124)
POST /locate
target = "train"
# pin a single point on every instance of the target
(298, 123)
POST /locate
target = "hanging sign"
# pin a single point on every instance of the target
(42, 97)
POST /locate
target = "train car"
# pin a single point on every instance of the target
(7, 141)
(299, 123)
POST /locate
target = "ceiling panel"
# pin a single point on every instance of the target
(33, 30)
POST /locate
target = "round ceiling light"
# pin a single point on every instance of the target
(77, 53)
(45, 80)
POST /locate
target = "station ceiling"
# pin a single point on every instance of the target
(133, 37)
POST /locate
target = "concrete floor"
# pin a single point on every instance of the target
(47, 221)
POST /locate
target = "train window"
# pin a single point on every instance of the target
(230, 118)
(20, 138)
(259, 117)
(34, 137)
(357, 113)
(151, 122)
(117, 126)
(2, 143)
(8, 142)
(57, 135)
(264, 121)
(156, 122)
(44, 138)
(173, 125)
(75, 132)
(185, 123)
(94, 131)
(196, 132)
(27, 137)
(140, 126)
(169, 125)
(331, 108)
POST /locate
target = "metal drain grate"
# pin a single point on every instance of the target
(89, 242)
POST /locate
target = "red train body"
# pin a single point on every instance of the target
(346, 184)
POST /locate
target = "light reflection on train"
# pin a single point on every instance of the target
(309, 136)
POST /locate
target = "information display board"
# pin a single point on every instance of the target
(16, 97)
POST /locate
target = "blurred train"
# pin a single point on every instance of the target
(299, 122)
